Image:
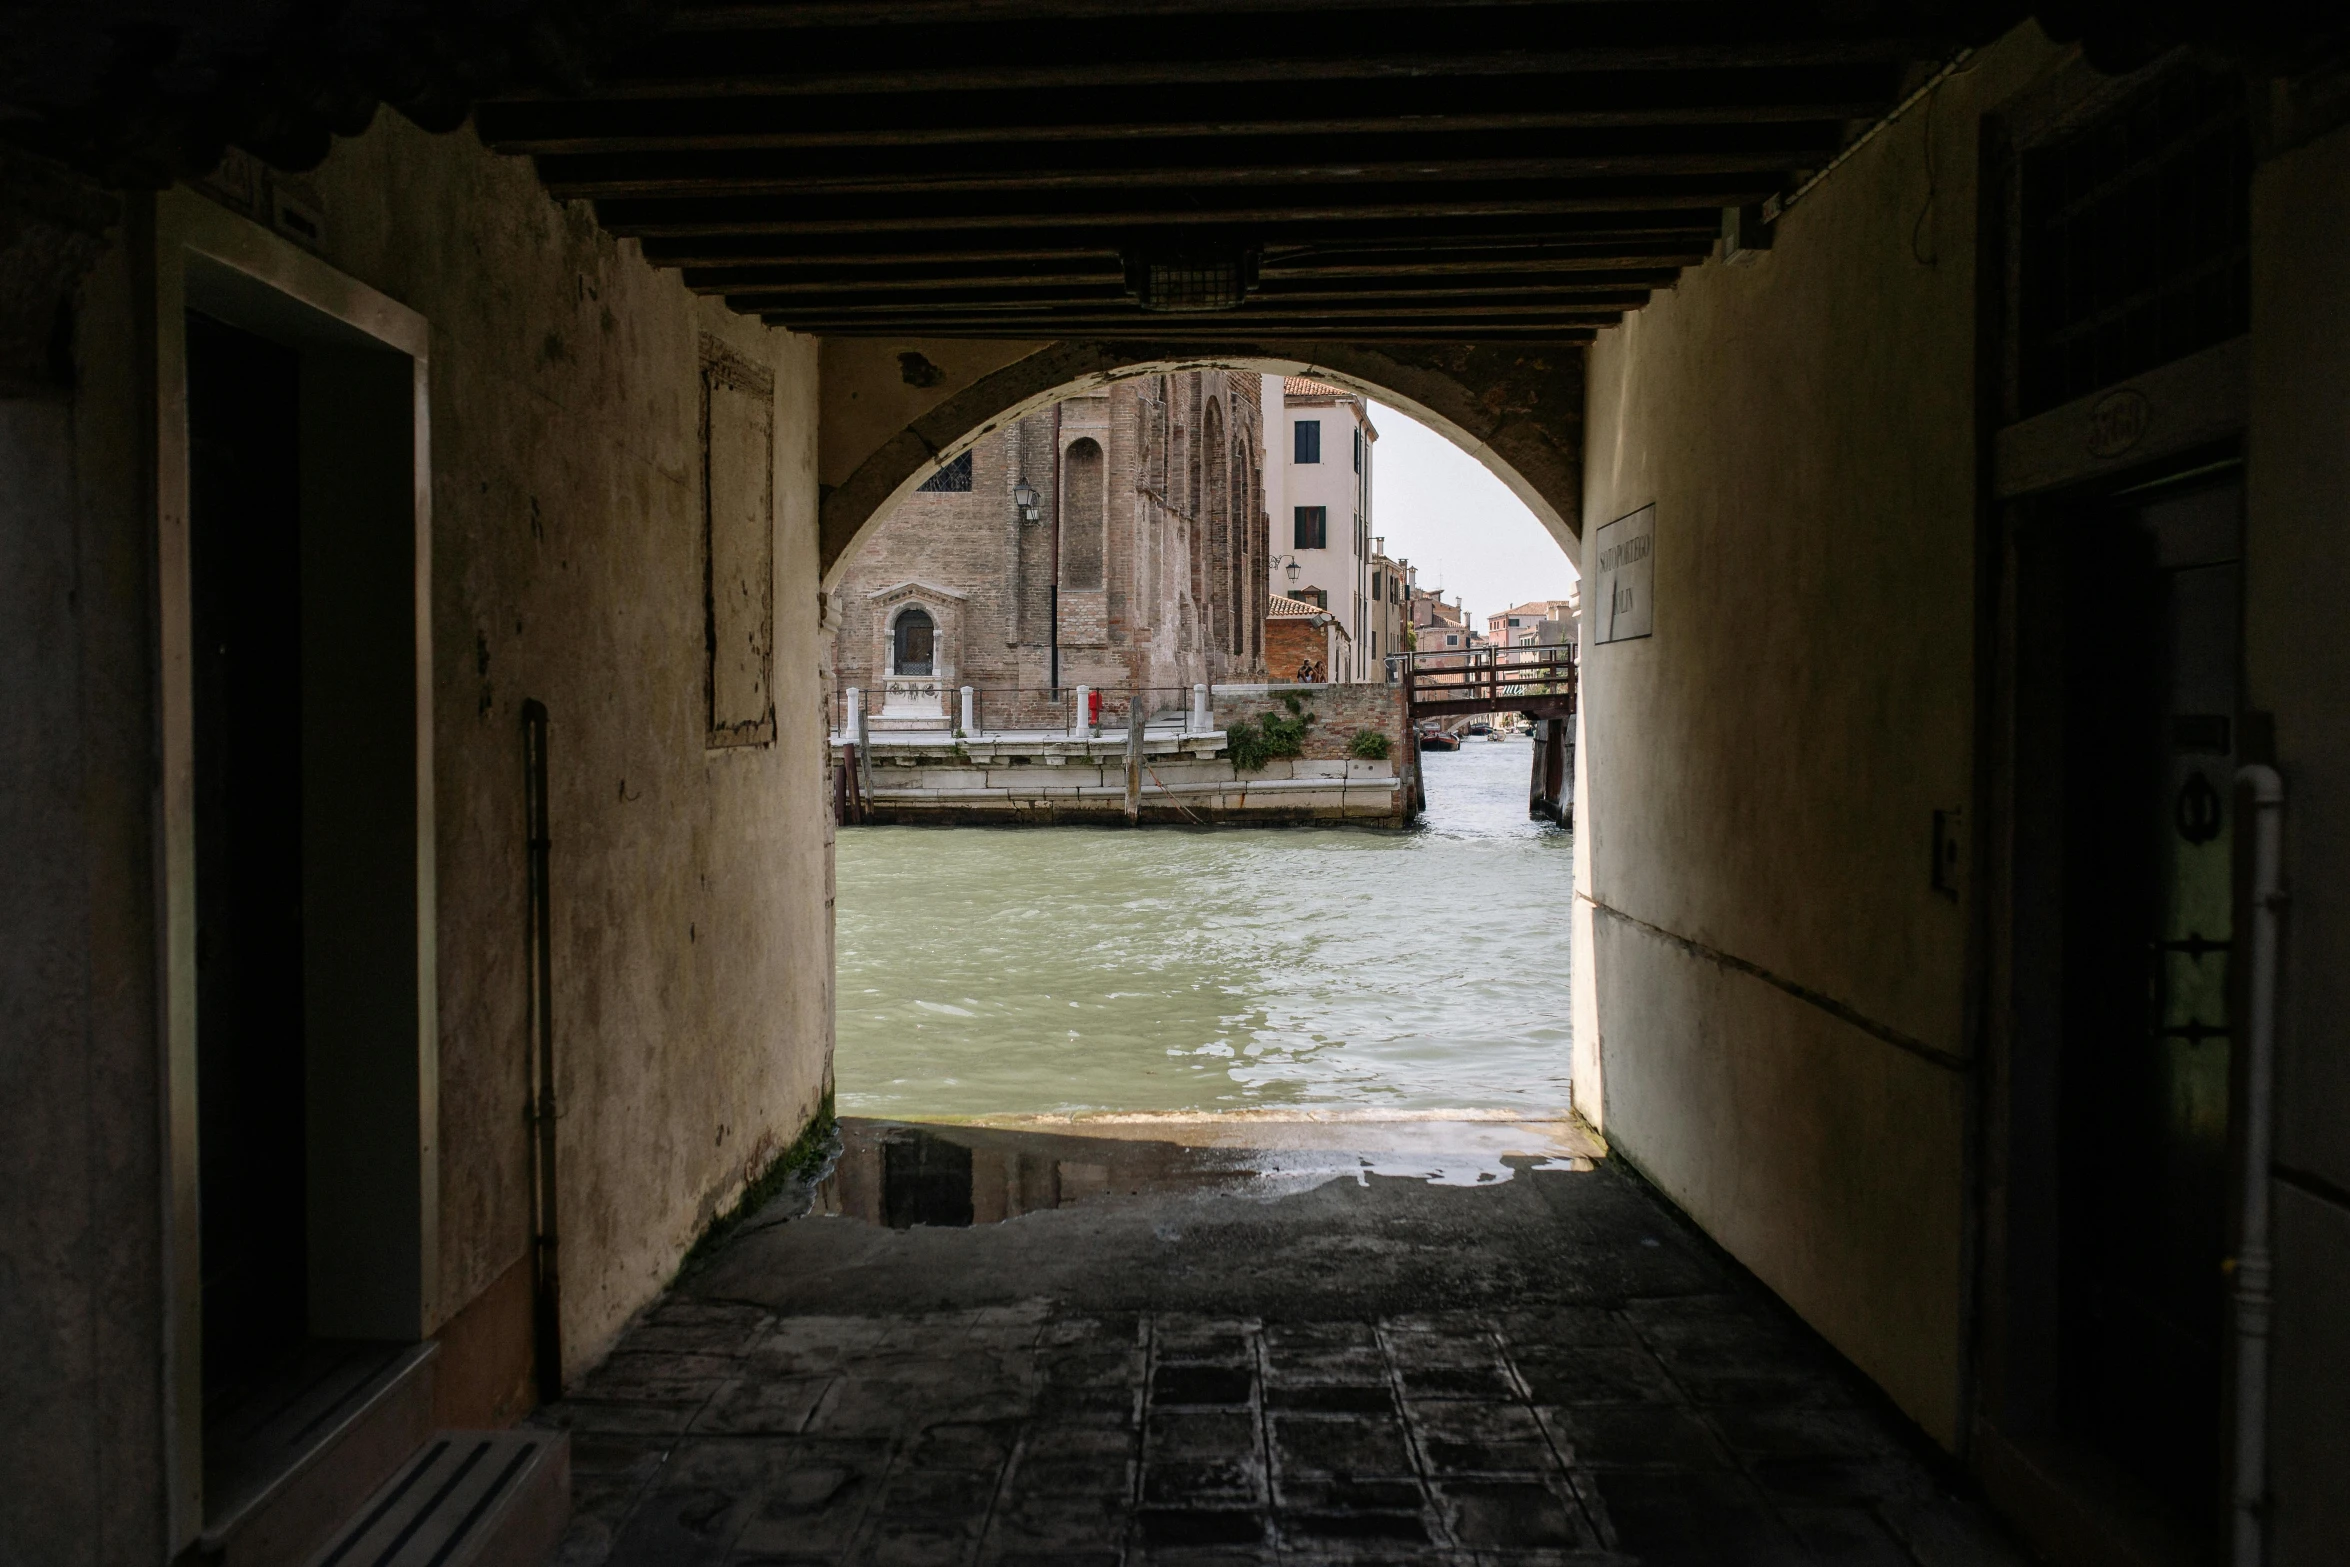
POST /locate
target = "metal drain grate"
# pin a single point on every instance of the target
(450, 1505)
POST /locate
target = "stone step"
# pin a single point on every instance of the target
(466, 1499)
(297, 1451)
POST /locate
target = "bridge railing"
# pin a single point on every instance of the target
(1490, 679)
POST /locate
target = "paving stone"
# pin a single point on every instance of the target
(626, 1418)
(1565, 1325)
(1359, 1528)
(1690, 1427)
(894, 1544)
(754, 1406)
(1348, 1353)
(1773, 1431)
(1846, 1537)
(1842, 1480)
(1511, 1513)
(1185, 1528)
(1180, 1337)
(1197, 1384)
(730, 1336)
(1685, 1519)
(664, 1376)
(940, 1494)
(1491, 1381)
(1621, 1436)
(1344, 1446)
(1462, 1437)
(1944, 1532)
(1308, 1494)
(1600, 1375)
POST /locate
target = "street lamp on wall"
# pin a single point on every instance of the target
(1024, 496)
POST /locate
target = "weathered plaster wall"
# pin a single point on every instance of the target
(2297, 578)
(692, 1004)
(81, 1230)
(692, 887)
(1775, 1029)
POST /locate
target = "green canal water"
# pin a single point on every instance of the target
(1010, 971)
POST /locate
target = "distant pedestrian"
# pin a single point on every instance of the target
(1321, 673)
(1305, 670)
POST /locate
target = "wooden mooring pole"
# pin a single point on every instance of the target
(1136, 716)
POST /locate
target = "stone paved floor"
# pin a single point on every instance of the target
(1189, 1367)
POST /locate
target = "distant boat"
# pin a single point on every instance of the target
(1497, 734)
(1439, 740)
(1480, 728)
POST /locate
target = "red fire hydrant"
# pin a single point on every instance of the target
(1093, 708)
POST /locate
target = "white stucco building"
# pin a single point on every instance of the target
(1318, 441)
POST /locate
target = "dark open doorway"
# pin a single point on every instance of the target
(2152, 731)
(245, 525)
(312, 1061)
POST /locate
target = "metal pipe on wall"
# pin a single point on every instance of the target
(2254, 1302)
(1053, 594)
(540, 1113)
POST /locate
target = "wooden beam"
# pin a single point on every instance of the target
(1389, 158)
(745, 283)
(725, 75)
(1210, 339)
(1633, 233)
(1152, 209)
(1090, 114)
(1028, 323)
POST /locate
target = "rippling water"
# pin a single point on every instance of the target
(995, 971)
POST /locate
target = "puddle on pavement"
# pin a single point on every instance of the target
(902, 1174)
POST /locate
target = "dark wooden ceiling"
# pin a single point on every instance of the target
(1514, 170)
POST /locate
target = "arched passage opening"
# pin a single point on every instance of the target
(1518, 409)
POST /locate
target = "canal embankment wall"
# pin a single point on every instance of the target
(1187, 775)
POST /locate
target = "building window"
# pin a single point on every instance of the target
(2136, 238)
(1313, 528)
(1515, 621)
(956, 475)
(1358, 451)
(912, 641)
(1309, 440)
(1452, 641)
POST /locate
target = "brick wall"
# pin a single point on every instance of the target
(1183, 548)
(1291, 638)
(1338, 711)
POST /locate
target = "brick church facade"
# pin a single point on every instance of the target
(1145, 505)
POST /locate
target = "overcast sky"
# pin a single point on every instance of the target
(1442, 510)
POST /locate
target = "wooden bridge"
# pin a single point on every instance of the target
(1536, 681)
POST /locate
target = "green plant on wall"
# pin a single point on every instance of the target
(1368, 745)
(1254, 742)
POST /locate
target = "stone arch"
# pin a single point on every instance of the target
(1517, 408)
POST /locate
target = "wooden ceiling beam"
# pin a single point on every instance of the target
(1212, 338)
(1671, 230)
(1392, 156)
(1202, 210)
(910, 293)
(1032, 323)
(1086, 115)
(1775, 169)
(763, 65)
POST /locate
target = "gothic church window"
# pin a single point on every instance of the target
(1082, 516)
(955, 475)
